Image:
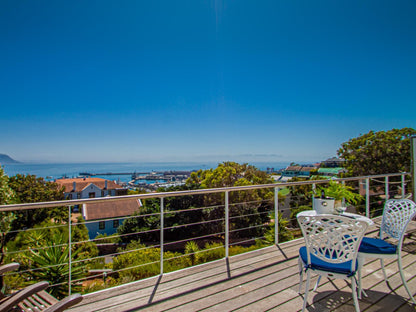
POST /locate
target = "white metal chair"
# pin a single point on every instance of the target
(331, 249)
(397, 215)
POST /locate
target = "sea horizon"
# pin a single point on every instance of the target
(52, 171)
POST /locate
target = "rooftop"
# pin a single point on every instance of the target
(82, 183)
(111, 209)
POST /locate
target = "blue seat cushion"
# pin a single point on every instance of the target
(377, 246)
(318, 264)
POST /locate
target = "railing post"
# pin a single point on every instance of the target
(313, 193)
(386, 185)
(276, 215)
(69, 251)
(367, 197)
(227, 226)
(162, 226)
(403, 186)
(413, 138)
(343, 199)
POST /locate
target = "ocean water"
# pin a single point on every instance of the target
(71, 170)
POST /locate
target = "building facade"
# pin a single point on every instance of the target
(80, 188)
(105, 217)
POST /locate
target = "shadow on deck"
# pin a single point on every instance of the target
(261, 280)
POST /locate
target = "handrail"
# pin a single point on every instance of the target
(73, 202)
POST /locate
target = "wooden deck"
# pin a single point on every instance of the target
(262, 280)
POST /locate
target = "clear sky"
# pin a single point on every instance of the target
(278, 80)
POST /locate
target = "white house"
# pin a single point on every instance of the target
(79, 188)
(106, 217)
(97, 215)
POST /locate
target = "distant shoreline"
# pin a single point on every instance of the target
(52, 171)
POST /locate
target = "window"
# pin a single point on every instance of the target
(116, 223)
(101, 225)
(91, 195)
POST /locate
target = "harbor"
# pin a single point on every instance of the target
(150, 180)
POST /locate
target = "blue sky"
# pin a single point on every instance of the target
(99, 81)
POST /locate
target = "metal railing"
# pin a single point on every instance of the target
(226, 215)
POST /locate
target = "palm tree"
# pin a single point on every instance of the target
(50, 261)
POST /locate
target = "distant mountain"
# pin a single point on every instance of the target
(6, 159)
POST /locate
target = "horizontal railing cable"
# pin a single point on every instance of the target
(192, 224)
(194, 238)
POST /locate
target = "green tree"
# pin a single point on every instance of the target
(7, 196)
(248, 209)
(142, 226)
(378, 152)
(203, 215)
(229, 174)
(284, 234)
(301, 195)
(182, 216)
(30, 189)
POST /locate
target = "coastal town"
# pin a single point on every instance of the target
(153, 180)
(100, 217)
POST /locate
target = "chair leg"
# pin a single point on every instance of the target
(354, 294)
(399, 263)
(317, 283)
(300, 264)
(360, 286)
(305, 299)
(384, 270)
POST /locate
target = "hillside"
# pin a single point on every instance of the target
(6, 159)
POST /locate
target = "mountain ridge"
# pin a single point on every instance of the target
(6, 159)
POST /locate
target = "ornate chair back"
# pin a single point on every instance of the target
(332, 238)
(396, 216)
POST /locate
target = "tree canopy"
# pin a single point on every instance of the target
(378, 152)
(7, 194)
(229, 174)
(185, 215)
(30, 189)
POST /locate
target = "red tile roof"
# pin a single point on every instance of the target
(82, 183)
(111, 209)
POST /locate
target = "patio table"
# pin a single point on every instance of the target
(311, 213)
